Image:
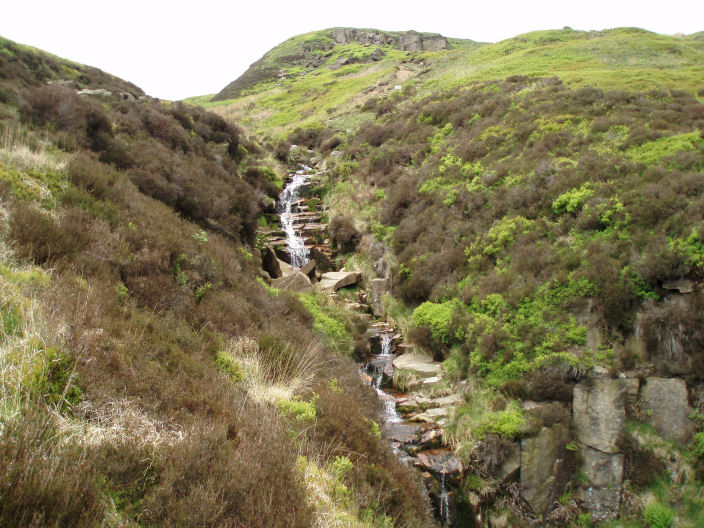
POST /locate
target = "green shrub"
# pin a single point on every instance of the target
(439, 318)
(657, 515)
(229, 366)
(298, 410)
(56, 382)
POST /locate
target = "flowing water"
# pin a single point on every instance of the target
(300, 255)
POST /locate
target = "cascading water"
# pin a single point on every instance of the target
(300, 255)
(444, 503)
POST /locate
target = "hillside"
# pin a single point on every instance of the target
(313, 79)
(533, 209)
(150, 377)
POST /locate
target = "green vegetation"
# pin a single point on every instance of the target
(147, 378)
(657, 515)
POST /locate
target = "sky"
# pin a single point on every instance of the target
(175, 49)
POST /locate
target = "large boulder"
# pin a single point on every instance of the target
(419, 364)
(600, 413)
(297, 282)
(665, 402)
(334, 280)
(545, 467)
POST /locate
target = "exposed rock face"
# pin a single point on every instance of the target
(545, 467)
(409, 41)
(296, 281)
(380, 287)
(665, 401)
(599, 412)
(334, 280)
(603, 470)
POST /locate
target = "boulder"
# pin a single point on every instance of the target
(270, 263)
(421, 365)
(439, 461)
(334, 280)
(309, 269)
(545, 467)
(297, 282)
(435, 43)
(599, 412)
(380, 287)
(286, 268)
(665, 402)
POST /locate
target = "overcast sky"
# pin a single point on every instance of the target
(177, 49)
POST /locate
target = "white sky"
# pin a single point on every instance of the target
(177, 49)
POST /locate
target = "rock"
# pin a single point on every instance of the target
(334, 280)
(309, 269)
(100, 92)
(270, 263)
(380, 287)
(500, 521)
(439, 461)
(434, 43)
(602, 503)
(599, 412)
(296, 281)
(401, 432)
(681, 285)
(405, 348)
(431, 415)
(420, 364)
(545, 467)
(665, 402)
(511, 465)
(411, 41)
(604, 470)
(377, 55)
(285, 268)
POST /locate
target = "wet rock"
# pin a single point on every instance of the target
(602, 503)
(380, 287)
(599, 412)
(511, 465)
(665, 402)
(296, 281)
(334, 280)
(431, 415)
(439, 461)
(545, 467)
(401, 432)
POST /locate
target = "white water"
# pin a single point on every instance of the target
(300, 255)
(444, 503)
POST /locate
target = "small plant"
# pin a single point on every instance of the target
(299, 410)
(122, 292)
(200, 236)
(657, 515)
(229, 366)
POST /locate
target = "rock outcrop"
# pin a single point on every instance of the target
(599, 414)
(380, 287)
(665, 402)
(408, 41)
(545, 468)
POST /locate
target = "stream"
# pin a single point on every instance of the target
(406, 438)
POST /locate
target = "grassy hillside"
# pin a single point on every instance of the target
(313, 93)
(148, 377)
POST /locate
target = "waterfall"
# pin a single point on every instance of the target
(444, 503)
(300, 255)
